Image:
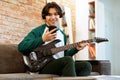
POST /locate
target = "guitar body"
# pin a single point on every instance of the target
(40, 57)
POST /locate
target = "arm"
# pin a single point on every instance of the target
(35, 39)
(73, 51)
(70, 52)
(31, 41)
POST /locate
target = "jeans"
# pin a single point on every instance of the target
(67, 67)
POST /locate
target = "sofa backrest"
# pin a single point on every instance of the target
(11, 60)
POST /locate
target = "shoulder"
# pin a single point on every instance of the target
(39, 29)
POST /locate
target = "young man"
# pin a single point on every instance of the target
(62, 63)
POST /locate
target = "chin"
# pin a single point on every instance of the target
(53, 24)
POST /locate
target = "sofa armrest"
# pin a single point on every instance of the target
(103, 67)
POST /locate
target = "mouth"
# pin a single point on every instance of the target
(54, 22)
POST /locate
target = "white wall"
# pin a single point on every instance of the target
(82, 26)
(108, 25)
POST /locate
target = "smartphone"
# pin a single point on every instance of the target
(52, 27)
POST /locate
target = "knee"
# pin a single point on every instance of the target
(83, 68)
(88, 66)
(88, 69)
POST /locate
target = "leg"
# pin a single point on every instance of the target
(83, 68)
(63, 66)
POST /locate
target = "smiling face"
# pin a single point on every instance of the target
(52, 18)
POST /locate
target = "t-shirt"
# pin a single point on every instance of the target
(61, 37)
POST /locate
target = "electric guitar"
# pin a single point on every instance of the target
(43, 54)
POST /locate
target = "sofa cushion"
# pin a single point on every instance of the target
(11, 60)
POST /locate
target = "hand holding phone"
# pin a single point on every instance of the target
(52, 27)
(50, 34)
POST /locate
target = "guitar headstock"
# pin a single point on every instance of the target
(98, 39)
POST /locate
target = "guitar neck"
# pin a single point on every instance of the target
(69, 46)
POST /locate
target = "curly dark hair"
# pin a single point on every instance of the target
(51, 5)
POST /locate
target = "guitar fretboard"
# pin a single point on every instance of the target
(69, 46)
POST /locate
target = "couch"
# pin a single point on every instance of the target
(12, 65)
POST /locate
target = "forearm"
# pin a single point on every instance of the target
(71, 52)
